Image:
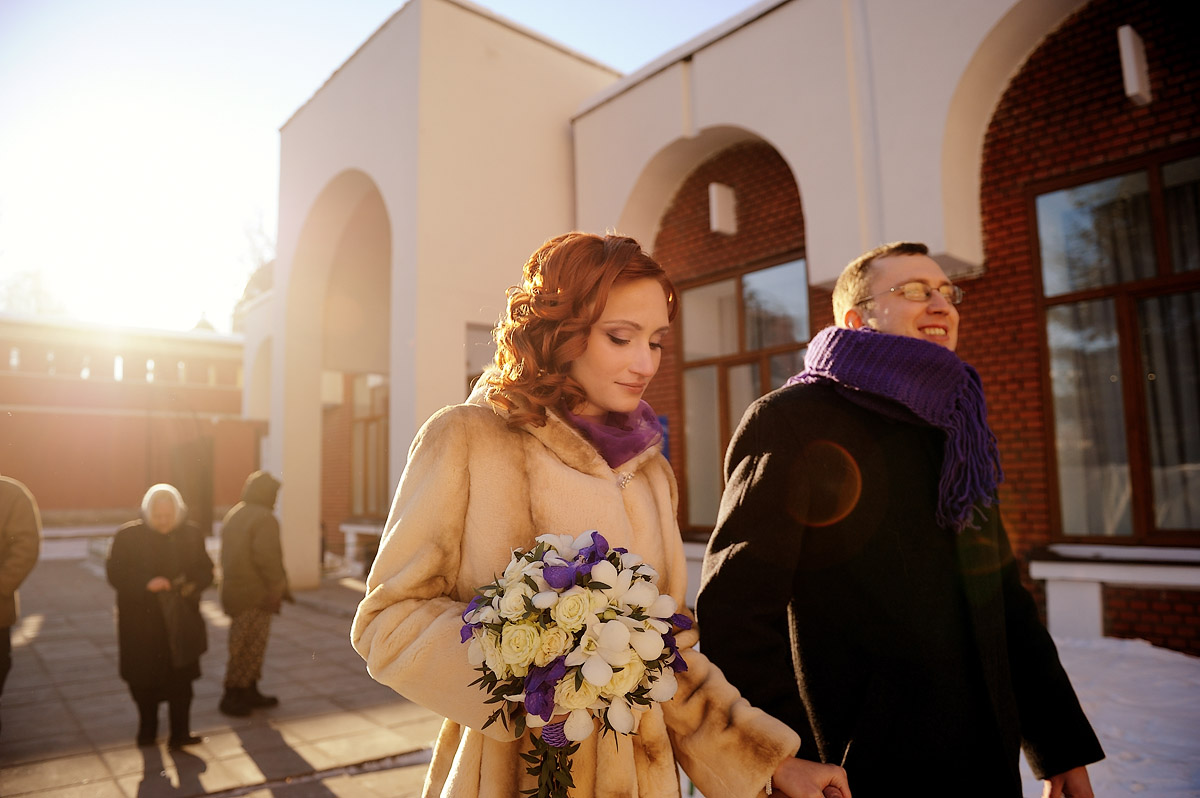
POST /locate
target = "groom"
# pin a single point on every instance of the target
(859, 584)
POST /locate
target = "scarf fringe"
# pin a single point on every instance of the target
(967, 432)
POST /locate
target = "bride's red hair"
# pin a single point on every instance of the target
(545, 328)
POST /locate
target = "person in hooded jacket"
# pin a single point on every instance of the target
(254, 585)
(151, 558)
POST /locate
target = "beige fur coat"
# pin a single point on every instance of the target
(472, 491)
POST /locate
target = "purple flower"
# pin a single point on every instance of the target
(681, 620)
(475, 603)
(595, 552)
(539, 687)
(560, 577)
(676, 660)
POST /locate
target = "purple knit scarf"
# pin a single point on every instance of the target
(894, 374)
(620, 436)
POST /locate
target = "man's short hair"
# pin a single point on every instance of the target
(854, 284)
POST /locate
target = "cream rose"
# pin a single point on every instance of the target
(519, 644)
(491, 656)
(572, 610)
(512, 603)
(625, 680)
(555, 642)
(567, 697)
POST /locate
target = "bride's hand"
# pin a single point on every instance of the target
(800, 778)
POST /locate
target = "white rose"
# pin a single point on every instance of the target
(567, 697)
(555, 642)
(573, 609)
(519, 644)
(625, 680)
(512, 603)
(491, 656)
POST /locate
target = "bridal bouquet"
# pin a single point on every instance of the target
(577, 629)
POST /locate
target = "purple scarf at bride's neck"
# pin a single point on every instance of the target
(619, 437)
(881, 371)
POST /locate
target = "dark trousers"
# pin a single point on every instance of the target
(177, 694)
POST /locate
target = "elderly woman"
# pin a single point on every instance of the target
(159, 567)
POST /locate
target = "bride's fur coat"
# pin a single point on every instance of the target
(474, 490)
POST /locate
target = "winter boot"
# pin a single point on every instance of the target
(259, 701)
(235, 702)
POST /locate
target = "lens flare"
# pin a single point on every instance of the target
(833, 484)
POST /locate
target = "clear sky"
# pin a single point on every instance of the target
(139, 147)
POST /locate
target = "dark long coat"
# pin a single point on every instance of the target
(832, 599)
(137, 555)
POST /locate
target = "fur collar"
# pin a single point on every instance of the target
(569, 445)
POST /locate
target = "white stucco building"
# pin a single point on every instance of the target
(417, 180)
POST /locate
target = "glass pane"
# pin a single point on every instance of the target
(358, 447)
(1093, 467)
(371, 486)
(481, 349)
(1181, 190)
(1171, 356)
(776, 303)
(710, 320)
(702, 434)
(743, 389)
(785, 365)
(1096, 234)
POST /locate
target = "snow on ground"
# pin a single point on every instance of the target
(1144, 703)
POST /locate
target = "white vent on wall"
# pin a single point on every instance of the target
(1133, 65)
(722, 209)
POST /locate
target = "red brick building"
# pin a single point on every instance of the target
(91, 416)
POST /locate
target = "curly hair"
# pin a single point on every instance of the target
(854, 282)
(565, 286)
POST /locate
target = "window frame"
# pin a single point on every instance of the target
(375, 424)
(1125, 297)
(723, 363)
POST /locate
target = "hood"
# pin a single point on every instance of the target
(261, 488)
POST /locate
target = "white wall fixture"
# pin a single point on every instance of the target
(1133, 65)
(722, 209)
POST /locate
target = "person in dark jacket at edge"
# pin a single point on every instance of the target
(160, 554)
(859, 584)
(254, 585)
(20, 544)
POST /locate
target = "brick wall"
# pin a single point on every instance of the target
(1168, 618)
(770, 226)
(1064, 112)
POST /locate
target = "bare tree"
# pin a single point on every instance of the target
(26, 292)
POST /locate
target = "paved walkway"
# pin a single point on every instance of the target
(69, 723)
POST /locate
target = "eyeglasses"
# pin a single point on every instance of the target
(920, 292)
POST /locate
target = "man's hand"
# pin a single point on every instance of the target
(800, 778)
(158, 584)
(1072, 784)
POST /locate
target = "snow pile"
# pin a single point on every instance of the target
(1144, 703)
